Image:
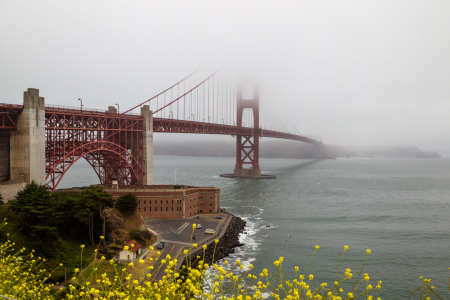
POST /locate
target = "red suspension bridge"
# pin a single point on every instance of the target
(120, 144)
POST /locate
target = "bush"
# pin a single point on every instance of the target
(119, 242)
(127, 204)
(140, 235)
(20, 279)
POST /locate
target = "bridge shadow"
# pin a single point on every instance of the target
(298, 167)
(260, 186)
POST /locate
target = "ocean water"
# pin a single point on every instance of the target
(398, 208)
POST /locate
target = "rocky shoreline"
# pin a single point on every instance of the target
(226, 245)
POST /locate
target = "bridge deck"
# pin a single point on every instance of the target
(8, 114)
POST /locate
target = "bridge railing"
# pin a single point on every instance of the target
(73, 109)
(11, 106)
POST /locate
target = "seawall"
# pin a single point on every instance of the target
(227, 243)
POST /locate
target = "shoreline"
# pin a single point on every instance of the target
(227, 243)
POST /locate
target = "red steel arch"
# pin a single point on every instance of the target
(111, 143)
(106, 158)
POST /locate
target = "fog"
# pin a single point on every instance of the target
(351, 73)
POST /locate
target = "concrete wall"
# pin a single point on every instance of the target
(27, 146)
(9, 189)
(4, 155)
(148, 144)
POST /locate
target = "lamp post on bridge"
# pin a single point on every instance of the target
(81, 106)
(117, 107)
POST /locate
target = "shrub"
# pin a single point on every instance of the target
(140, 235)
(20, 279)
(127, 204)
(119, 242)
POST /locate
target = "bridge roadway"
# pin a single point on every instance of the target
(116, 145)
(176, 234)
(93, 117)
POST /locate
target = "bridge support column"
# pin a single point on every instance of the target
(28, 144)
(148, 145)
(319, 151)
(247, 146)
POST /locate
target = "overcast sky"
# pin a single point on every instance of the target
(348, 72)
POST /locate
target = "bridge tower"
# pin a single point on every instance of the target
(247, 146)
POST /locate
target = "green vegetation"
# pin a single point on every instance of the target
(55, 224)
(58, 224)
(97, 196)
(127, 204)
(140, 235)
(22, 279)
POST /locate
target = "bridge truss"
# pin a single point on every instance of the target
(113, 143)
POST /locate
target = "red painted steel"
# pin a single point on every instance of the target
(111, 143)
(8, 115)
(250, 146)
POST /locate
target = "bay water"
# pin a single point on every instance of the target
(399, 208)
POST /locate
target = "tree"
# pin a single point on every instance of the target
(127, 204)
(79, 213)
(34, 207)
(141, 235)
(103, 200)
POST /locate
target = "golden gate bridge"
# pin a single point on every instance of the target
(120, 144)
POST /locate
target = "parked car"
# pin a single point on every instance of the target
(219, 217)
(210, 231)
(160, 245)
(199, 226)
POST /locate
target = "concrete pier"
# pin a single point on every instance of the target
(147, 114)
(27, 145)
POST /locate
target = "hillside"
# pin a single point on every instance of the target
(120, 225)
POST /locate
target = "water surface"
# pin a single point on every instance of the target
(399, 208)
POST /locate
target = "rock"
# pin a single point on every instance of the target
(226, 245)
(115, 221)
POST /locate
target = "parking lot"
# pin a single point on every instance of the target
(176, 234)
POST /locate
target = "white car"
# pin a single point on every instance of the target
(210, 231)
(199, 226)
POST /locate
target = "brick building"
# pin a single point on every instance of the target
(168, 201)
(172, 201)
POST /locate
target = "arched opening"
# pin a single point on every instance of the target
(107, 159)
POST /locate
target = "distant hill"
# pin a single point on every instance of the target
(395, 151)
(271, 148)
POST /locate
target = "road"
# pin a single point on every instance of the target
(176, 235)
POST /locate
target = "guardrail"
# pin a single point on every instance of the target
(11, 106)
(63, 108)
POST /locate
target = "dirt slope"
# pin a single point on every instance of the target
(122, 224)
